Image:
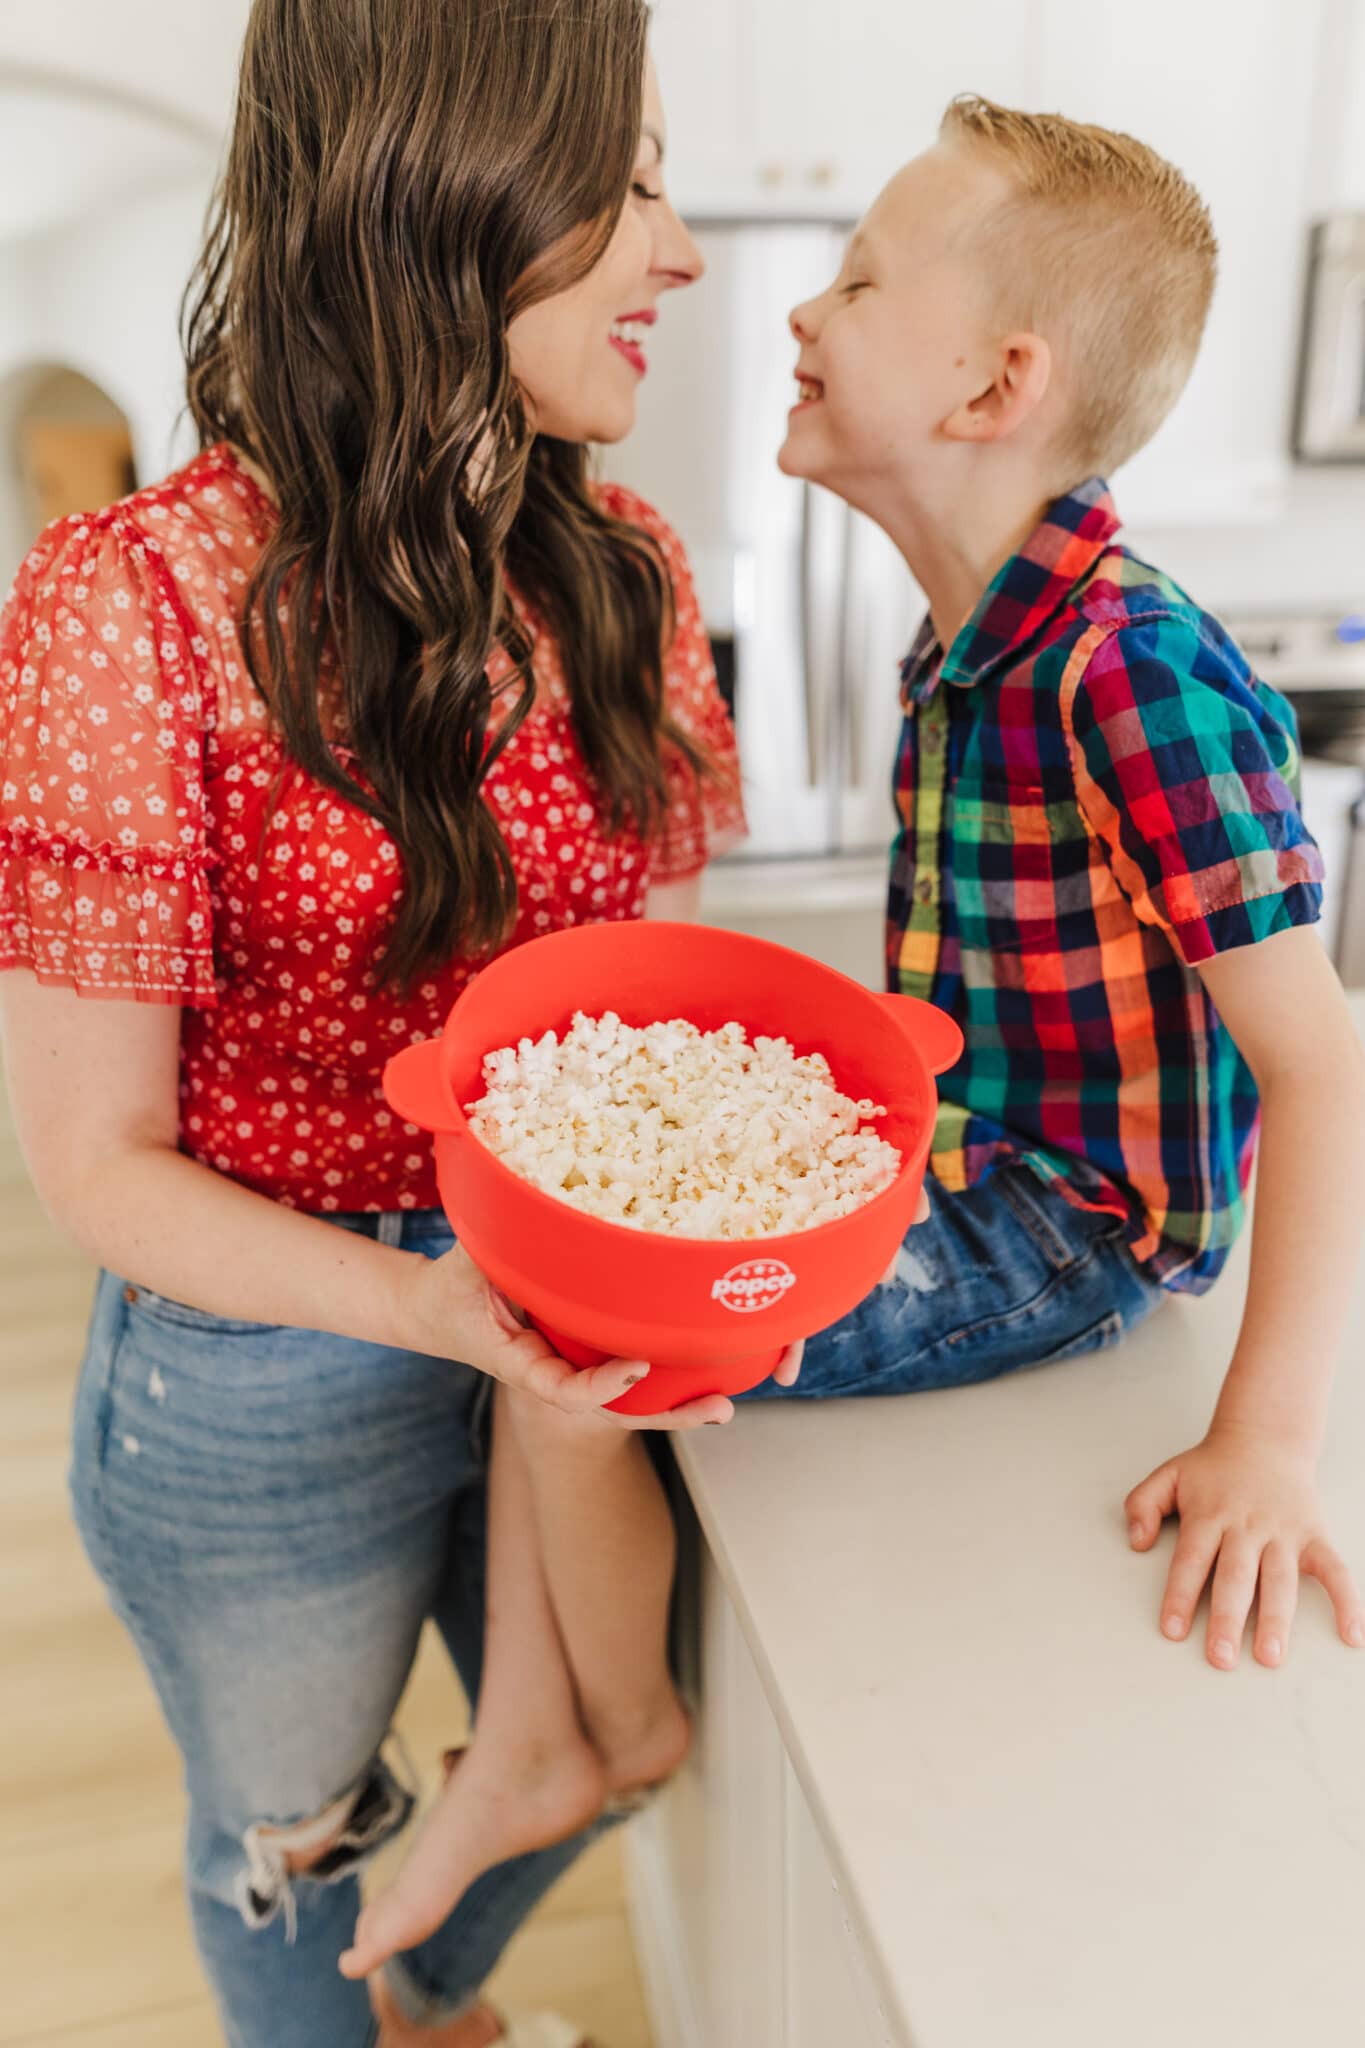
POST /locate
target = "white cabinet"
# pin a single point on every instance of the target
(1228, 90)
(740, 1922)
(705, 54)
(878, 75)
(830, 1992)
(808, 106)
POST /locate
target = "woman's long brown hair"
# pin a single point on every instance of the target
(400, 172)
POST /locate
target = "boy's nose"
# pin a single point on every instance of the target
(802, 321)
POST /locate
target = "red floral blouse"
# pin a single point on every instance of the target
(157, 845)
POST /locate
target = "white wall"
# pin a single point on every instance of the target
(183, 56)
(105, 300)
(98, 292)
(17, 347)
(102, 298)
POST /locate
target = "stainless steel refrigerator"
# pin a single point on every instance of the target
(809, 606)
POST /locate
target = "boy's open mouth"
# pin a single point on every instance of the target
(811, 391)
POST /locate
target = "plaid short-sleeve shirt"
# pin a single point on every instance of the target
(1095, 794)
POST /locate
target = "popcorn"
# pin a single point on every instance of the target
(669, 1128)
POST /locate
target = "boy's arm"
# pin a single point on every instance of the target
(1247, 1495)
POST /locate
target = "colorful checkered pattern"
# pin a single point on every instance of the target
(1102, 796)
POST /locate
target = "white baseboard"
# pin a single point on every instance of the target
(659, 1945)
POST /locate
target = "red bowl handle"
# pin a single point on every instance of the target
(415, 1088)
(932, 1032)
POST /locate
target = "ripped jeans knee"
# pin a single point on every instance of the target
(322, 1848)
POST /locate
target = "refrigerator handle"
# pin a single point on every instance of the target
(810, 682)
(848, 707)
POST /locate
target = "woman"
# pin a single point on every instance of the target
(376, 685)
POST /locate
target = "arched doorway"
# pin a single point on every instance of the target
(65, 446)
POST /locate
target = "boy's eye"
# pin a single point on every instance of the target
(859, 284)
(643, 192)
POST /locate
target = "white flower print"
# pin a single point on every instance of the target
(167, 748)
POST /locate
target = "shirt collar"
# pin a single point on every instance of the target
(1029, 590)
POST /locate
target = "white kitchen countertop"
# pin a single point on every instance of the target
(1051, 1828)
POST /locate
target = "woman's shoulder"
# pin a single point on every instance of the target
(121, 607)
(620, 502)
(209, 513)
(189, 521)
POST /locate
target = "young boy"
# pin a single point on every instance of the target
(1100, 843)
(1101, 869)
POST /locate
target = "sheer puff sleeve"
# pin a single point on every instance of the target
(706, 817)
(104, 865)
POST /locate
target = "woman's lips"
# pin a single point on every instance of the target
(627, 336)
(633, 354)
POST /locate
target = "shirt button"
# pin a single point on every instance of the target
(924, 891)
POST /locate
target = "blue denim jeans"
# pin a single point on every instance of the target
(1003, 1275)
(275, 1512)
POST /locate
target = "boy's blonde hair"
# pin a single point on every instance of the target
(1108, 251)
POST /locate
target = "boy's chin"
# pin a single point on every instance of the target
(798, 460)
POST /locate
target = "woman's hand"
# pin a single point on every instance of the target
(453, 1311)
(1250, 1515)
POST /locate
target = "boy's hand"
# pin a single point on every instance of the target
(1250, 1515)
(922, 1214)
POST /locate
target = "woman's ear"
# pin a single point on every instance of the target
(1023, 371)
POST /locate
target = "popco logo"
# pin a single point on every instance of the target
(758, 1283)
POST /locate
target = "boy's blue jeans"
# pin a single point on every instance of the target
(1005, 1275)
(275, 1512)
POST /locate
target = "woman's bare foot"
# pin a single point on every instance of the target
(480, 2028)
(494, 1805)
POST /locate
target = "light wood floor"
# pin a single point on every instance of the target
(93, 1930)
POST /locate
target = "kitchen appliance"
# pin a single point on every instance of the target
(810, 607)
(711, 1315)
(1330, 418)
(1317, 661)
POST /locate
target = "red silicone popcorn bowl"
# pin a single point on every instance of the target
(712, 1315)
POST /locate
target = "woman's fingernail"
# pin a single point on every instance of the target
(1135, 1532)
(1272, 1650)
(1223, 1652)
(1173, 1626)
(1355, 1635)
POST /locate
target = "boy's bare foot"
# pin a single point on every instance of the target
(642, 1749)
(494, 1805)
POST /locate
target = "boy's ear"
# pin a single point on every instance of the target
(1023, 371)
